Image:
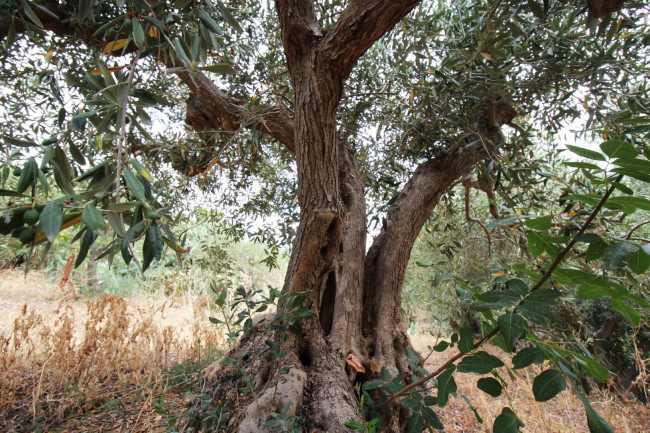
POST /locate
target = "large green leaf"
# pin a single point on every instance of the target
(490, 386)
(10, 193)
(619, 149)
(431, 418)
(480, 363)
(595, 422)
(535, 306)
(591, 367)
(596, 250)
(540, 223)
(639, 262)
(219, 68)
(507, 422)
(93, 219)
(227, 16)
(629, 312)
(142, 171)
(587, 153)
(496, 300)
(635, 168)
(138, 32)
(573, 276)
(27, 176)
(538, 244)
(466, 342)
(18, 141)
(123, 206)
(207, 21)
(134, 184)
(51, 219)
(446, 385)
(152, 246)
(62, 171)
(511, 326)
(548, 384)
(528, 356)
(132, 234)
(410, 403)
(86, 242)
(415, 424)
(628, 204)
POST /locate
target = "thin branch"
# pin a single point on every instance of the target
(494, 9)
(629, 235)
(537, 286)
(122, 139)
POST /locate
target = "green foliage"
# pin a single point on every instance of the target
(548, 384)
(507, 422)
(529, 295)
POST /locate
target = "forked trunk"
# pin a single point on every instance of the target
(357, 296)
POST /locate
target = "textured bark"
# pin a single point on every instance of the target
(357, 297)
(386, 261)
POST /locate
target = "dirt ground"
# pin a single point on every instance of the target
(563, 414)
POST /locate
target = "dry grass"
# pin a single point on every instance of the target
(101, 365)
(60, 358)
(562, 414)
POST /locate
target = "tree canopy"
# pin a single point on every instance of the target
(331, 119)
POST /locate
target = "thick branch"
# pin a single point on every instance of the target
(217, 109)
(300, 30)
(361, 24)
(537, 286)
(220, 110)
(386, 261)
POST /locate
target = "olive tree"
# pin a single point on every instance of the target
(336, 115)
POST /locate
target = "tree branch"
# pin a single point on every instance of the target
(214, 108)
(300, 30)
(361, 24)
(387, 258)
(537, 286)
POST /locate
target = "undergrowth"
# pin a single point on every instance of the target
(55, 370)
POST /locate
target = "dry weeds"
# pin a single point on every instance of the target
(58, 361)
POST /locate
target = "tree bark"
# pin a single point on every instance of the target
(357, 296)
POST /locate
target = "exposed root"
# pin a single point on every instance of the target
(284, 398)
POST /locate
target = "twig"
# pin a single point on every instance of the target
(122, 139)
(629, 235)
(494, 9)
(476, 220)
(537, 286)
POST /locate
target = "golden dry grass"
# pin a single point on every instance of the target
(99, 365)
(60, 356)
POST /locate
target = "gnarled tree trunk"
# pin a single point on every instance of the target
(357, 295)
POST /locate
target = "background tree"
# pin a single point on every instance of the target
(327, 110)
